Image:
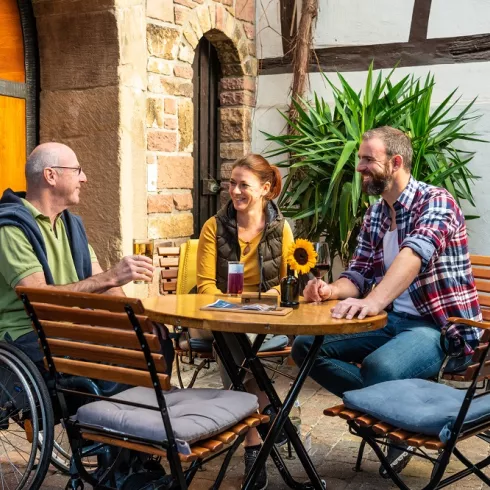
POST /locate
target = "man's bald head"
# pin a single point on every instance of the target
(43, 156)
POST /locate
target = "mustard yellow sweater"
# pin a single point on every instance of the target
(207, 253)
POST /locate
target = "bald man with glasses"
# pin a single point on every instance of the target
(44, 245)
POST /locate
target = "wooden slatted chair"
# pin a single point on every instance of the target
(168, 260)
(481, 272)
(461, 379)
(422, 401)
(110, 338)
(178, 276)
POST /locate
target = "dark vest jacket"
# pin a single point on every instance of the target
(269, 250)
(14, 213)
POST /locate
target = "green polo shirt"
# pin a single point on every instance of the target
(18, 260)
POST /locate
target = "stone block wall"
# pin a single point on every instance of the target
(117, 86)
(93, 94)
(174, 29)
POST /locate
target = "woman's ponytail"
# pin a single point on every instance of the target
(276, 183)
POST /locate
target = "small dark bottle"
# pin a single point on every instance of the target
(290, 290)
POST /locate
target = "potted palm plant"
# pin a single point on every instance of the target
(322, 191)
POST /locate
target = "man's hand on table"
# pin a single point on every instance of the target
(350, 307)
(317, 290)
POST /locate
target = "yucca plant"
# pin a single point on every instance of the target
(322, 191)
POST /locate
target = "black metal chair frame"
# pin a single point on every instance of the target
(181, 478)
(270, 359)
(206, 358)
(458, 431)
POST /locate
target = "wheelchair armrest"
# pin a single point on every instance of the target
(452, 346)
(79, 383)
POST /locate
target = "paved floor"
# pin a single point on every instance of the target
(333, 451)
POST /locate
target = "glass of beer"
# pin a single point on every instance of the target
(235, 277)
(143, 247)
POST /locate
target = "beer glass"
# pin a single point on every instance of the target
(143, 247)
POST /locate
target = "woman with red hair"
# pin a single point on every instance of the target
(249, 229)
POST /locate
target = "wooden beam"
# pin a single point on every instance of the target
(462, 49)
(420, 20)
(288, 34)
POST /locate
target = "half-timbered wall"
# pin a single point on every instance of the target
(449, 38)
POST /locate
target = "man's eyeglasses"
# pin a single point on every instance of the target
(78, 169)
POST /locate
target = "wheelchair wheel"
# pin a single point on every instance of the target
(61, 455)
(25, 414)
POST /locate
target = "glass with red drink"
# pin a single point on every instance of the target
(322, 265)
(235, 277)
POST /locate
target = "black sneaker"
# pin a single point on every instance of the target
(282, 437)
(398, 459)
(249, 457)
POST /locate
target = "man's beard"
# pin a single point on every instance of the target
(376, 184)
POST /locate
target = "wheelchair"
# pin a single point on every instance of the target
(26, 422)
(31, 434)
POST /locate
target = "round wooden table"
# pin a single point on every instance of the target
(309, 319)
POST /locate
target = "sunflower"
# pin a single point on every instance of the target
(301, 256)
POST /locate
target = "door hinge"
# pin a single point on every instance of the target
(210, 187)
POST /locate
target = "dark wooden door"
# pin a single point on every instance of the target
(17, 91)
(207, 74)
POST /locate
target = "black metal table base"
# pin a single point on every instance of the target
(237, 375)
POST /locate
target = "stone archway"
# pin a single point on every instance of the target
(170, 155)
(238, 85)
(125, 106)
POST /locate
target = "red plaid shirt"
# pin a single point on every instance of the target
(430, 222)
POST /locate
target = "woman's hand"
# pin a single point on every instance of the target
(317, 290)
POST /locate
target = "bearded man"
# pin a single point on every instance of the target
(413, 247)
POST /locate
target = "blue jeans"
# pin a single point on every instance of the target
(408, 347)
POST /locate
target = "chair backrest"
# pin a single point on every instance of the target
(179, 268)
(481, 271)
(169, 258)
(96, 336)
(187, 274)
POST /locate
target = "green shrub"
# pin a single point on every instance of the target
(322, 191)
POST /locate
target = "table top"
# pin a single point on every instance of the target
(309, 319)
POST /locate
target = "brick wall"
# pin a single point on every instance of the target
(174, 29)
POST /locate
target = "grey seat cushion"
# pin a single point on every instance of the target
(417, 405)
(195, 414)
(276, 342)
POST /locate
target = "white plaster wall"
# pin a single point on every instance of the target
(268, 22)
(472, 80)
(357, 22)
(450, 18)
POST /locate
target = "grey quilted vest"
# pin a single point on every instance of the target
(270, 247)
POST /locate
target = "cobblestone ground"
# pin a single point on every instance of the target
(333, 451)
